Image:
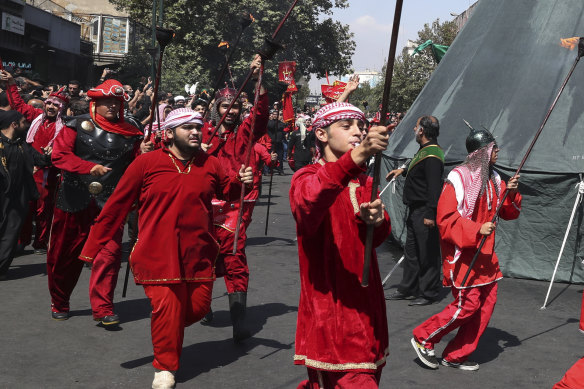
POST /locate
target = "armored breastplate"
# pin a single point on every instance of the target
(99, 146)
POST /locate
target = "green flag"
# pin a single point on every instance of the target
(438, 51)
(422, 46)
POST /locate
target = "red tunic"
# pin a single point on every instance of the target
(175, 241)
(232, 153)
(341, 326)
(456, 231)
(225, 213)
(46, 130)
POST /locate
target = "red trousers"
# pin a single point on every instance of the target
(574, 377)
(68, 235)
(320, 379)
(41, 211)
(233, 268)
(470, 312)
(174, 307)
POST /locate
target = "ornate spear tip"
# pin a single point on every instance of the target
(245, 20)
(468, 125)
(164, 36)
(269, 49)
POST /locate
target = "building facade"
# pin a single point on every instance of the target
(44, 46)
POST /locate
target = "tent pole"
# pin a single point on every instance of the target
(392, 270)
(578, 198)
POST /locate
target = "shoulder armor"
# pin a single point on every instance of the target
(73, 121)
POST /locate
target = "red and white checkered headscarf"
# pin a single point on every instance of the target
(331, 113)
(178, 117)
(181, 116)
(334, 112)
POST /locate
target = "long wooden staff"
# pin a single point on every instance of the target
(383, 121)
(272, 175)
(163, 36)
(269, 50)
(545, 119)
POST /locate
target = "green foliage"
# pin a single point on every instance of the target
(361, 94)
(301, 95)
(410, 73)
(317, 43)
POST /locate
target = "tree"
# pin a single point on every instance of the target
(317, 43)
(410, 73)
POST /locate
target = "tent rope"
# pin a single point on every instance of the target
(580, 187)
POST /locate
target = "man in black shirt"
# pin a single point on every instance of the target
(300, 146)
(17, 186)
(421, 276)
(276, 133)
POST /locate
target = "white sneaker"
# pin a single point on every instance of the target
(163, 379)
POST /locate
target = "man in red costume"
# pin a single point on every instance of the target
(574, 377)
(93, 152)
(466, 207)
(229, 147)
(341, 333)
(46, 124)
(175, 253)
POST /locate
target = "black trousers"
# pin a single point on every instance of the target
(422, 263)
(15, 207)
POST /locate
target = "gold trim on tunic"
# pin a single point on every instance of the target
(342, 366)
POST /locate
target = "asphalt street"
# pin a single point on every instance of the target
(523, 346)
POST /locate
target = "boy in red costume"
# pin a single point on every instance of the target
(175, 253)
(341, 333)
(93, 151)
(466, 207)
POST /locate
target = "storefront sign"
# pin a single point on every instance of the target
(12, 23)
(16, 64)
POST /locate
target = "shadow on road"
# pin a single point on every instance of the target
(493, 342)
(17, 271)
(128, 310)
(202, 357)
(261, 240)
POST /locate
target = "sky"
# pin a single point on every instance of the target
(371, 22)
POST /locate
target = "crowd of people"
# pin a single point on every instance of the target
(76, 164)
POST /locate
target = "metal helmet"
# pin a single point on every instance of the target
(477, 138)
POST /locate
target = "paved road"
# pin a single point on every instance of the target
(523, 347)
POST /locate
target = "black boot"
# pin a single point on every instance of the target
(237, 307)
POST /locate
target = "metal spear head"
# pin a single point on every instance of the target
(164, 36)
(269, 49)
(581, 47)
(468, 125)
(245, 20)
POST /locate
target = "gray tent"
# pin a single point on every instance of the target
(503, 71)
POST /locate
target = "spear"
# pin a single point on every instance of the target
(266, 52)
(163, 36)
(545, 119)
(383, 121)
(244, 22)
